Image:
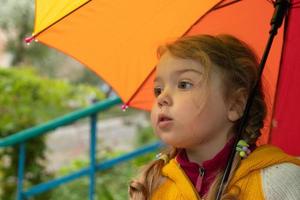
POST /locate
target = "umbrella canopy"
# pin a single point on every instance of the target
(118, 40)
(285, 131)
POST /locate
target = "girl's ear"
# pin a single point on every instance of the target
(236, 105)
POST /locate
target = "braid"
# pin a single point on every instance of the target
(245, 73)
(142, 188)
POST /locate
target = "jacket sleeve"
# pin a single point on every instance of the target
(281, 181)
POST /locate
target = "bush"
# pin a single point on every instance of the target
(111, 184)
(27, 100)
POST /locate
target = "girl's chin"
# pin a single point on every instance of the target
(178, 142)
(174, 142)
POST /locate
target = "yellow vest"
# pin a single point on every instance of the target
(246, 182)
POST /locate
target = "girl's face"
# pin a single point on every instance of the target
(188, 111)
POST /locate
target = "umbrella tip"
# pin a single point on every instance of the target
(124, 107)
(28, 40)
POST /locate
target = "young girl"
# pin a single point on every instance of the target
(201, 88)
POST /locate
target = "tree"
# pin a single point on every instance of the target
(27, 100)
(17, 21)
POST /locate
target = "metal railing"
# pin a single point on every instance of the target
(22, 137)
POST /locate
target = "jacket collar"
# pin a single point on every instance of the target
(217, 162)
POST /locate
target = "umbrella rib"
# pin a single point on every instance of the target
(127, 103)
(210, 10)
(61, 18)
(227, 4)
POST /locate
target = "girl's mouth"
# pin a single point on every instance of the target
(164, 121)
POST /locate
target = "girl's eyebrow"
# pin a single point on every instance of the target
(178, 72)
(187, 70)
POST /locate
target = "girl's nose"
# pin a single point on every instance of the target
(164, 99)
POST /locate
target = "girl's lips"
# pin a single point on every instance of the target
(164, 121)
(165, 124)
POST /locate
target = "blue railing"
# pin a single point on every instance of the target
(22, 137)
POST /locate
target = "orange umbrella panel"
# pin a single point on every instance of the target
(118, 39)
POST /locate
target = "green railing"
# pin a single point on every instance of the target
(22, 137)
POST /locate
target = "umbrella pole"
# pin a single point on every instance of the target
(281, 8)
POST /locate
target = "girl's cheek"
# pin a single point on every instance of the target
(199, 97)
(153, 115)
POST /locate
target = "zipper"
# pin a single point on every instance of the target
(188, 179)
(202, 171)
(200, 178)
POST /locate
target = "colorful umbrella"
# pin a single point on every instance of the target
(118, 41)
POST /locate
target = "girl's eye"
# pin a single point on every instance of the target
(185, 85)
(157, 91)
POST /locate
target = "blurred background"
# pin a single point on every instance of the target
(38, 84)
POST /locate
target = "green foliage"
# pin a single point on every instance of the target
(111, 184)
(27, 100)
